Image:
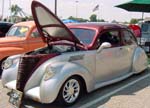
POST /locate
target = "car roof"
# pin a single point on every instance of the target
(5, 23)
(25, 23)
(96, 25)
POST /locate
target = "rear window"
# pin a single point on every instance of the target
(84, 35)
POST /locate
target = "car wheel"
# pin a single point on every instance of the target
(70, 91)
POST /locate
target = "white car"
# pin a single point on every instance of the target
(78, 58)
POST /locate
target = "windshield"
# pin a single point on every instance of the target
(19, 31)
(84, 35)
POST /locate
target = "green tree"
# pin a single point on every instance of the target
(133, 21)
(100, 20)
(17, 11)
(93, 18)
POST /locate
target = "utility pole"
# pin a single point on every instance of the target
(11, 20)
(56, 7)
(2, 8)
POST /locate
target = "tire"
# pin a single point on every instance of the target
(70, 93)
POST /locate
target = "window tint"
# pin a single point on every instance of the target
(110, 36)
(18, 31)
(84, 35)
(128, 38)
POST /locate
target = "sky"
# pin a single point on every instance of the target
(82, 9)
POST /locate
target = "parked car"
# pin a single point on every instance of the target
(79, 58)
(145, 37)
(22, 37)
(4, 27)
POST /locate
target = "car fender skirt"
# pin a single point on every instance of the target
(140, 61)
(27, 66)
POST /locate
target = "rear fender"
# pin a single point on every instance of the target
(140, 60)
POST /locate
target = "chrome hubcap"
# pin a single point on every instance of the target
(71, 90)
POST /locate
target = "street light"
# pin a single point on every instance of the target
(76, 8)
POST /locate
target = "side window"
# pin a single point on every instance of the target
(110, 36)
(84, 35)
(18, 31)
(128, 38)
(35, 33)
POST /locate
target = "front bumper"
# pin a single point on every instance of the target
(43, 94)
(33, 93)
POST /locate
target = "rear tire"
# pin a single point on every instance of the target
(70, 91)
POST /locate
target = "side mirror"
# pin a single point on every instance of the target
(104, 46)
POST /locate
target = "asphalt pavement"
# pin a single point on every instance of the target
(134, 92)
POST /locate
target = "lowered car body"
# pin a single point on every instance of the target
(78, 58)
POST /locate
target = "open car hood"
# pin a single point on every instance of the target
(50, 26)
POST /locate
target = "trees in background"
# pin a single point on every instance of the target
(93, 18)
(78, 19)
(134, 21)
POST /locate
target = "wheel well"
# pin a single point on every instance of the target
(2, 60)
(83, 82)
(1, 64)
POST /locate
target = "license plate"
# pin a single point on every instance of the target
(15, 98)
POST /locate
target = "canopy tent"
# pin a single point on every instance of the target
(69, 21)
(136, 6)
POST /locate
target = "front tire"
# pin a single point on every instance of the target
(70, 91)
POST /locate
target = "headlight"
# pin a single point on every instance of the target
(7, 63)
(49, 73)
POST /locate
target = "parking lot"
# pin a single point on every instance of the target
(133, 92)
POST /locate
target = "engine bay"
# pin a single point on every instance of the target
(53, 49)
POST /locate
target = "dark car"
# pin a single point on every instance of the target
(4, 27)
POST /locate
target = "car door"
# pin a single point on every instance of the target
(129, 45)
(111, 63)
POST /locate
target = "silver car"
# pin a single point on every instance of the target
(78, 58)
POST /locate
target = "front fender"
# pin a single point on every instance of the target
(49, 89)
(140, 60)
(10, 74)
(8, 51)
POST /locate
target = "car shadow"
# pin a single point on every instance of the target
(97, 94)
